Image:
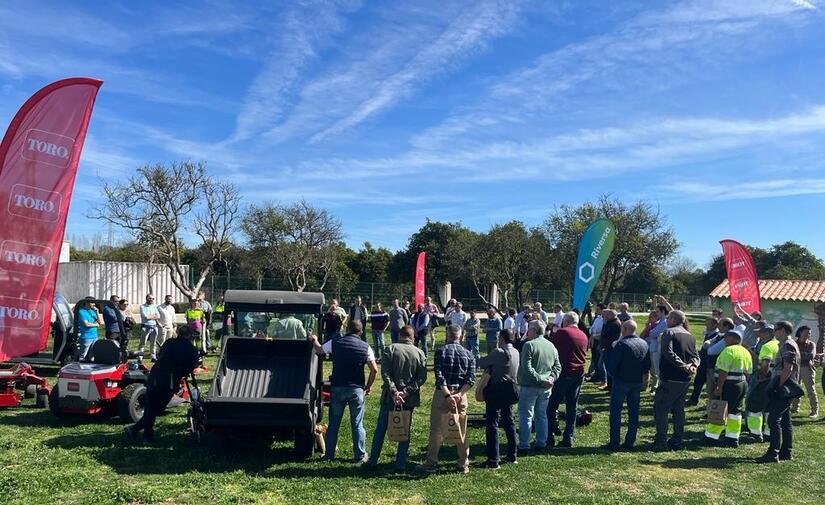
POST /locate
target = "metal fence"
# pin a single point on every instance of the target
(384, 293)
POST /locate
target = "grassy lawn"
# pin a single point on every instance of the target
(43, 460)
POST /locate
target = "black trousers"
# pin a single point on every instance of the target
(498, 414)
(779, 421)
(699, 381)
(156, 401)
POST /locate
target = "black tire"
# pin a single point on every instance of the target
(54, 404)
(131, 401)
(30, 391)
(42, 401)
(304, 443)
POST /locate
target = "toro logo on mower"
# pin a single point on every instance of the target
(49, 148)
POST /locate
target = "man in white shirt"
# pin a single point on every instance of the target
(167, 320)
(510, 322)
(542, 313)
(522, 320)
(458, 318)
(559, 317)
(149, 317)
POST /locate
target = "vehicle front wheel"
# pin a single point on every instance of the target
(131, 402)
(54, 404)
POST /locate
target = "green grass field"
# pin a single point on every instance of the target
(43, 460)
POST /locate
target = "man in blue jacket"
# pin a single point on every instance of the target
(629, 365)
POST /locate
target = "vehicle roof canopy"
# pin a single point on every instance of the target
(275, 300)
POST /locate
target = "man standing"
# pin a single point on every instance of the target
(558, 316)
(333, 321)
(87, 329)
(471, 327)
(655, 337)
(597, 371)
(455, 371)
(110, 319)
(756, 400)
(623, 315)
(358, 312)
(178, 357)
(288, 327)
(350, 354)
(711, 332)
(404, 370)
(522, 320)
(149, 317)
(678, 363)
(379, 319)
(195, 319)
(629, 365)
(502, 364)
(779, 416)
(807, 352)
(571, 344)
(538, 370)
(398, 319)
(206, 307)
(611, 332)
(421, 324)
(492, 328)
(542, 314)
(167, 320)
(457, 318)
(733, 367)
(509, 323)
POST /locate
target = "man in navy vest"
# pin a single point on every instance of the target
(349, 356)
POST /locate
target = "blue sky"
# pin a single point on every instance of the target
(387, 113)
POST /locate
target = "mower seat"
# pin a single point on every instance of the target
(105, 352)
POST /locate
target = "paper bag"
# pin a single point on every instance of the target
(717, 412)
(451, 423)
(399, 425)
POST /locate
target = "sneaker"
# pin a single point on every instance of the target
(814, 415)
(509, 461)
(362, 460)
(674, 445)
(628, 448)
(768, 457)
(785, 456)
(730, 442)
(566, 443)
(463, 470)
(710, 442)
(492, 465)
(525, 452)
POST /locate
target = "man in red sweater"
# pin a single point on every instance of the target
(572, 345)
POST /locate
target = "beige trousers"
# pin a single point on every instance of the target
(439, 408)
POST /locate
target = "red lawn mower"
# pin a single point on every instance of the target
(18, 377)
(104, 385)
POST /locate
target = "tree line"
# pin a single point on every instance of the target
(178, 214)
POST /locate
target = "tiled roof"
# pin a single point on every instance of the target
(802, 291)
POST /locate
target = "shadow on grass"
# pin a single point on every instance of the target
(722, 462)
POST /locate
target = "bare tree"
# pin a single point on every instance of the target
(302, 242)
(160, 204)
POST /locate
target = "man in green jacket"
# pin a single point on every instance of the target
(404, 370)
(538, 369)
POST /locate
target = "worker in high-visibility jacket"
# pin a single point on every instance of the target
(733, 367)
(195, 319)
(757, 400)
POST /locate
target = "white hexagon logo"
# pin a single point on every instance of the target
(586, 272)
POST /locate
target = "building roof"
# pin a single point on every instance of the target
(798, 291)
(273, 297)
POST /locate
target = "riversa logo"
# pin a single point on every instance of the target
(602, 240)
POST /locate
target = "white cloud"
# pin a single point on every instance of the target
(720, 190)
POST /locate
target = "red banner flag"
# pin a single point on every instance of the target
(419, 279)
(38, 163)
(743, 282)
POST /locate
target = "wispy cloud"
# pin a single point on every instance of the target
(720, 190)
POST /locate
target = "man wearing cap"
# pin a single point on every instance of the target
(756, 400)
(786, 367)
(733, 367)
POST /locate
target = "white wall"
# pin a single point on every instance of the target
(101, 279)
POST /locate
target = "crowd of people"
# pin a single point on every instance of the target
(536, 361)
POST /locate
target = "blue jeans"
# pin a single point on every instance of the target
(394, 336)
(353, 398)
(421, 338)
(619, 393)
(566, 389)
(378, 438)
(532, 400)
(471, 344)
(378, 341)
(605, 355)
(596, 369)
(83, 347)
